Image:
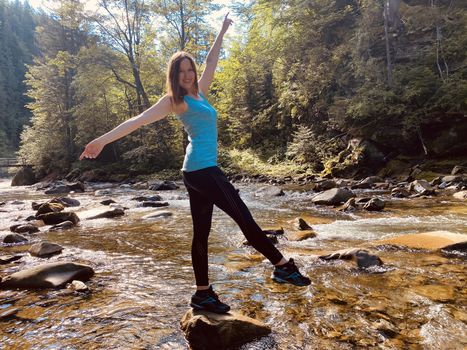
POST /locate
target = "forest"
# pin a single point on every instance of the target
(337, 87)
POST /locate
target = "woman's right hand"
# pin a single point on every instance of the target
(92, 149)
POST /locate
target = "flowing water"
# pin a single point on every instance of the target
(144, 279)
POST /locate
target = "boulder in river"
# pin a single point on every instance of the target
(350, 205)
(422, 187)
(210, 331)
(45, 249)
(66, 201)
(49, 208)
(107, 201)
(24, 228)
(154, 198)
(49, 275)
(56, 218)
(24, 177)
(333, 196)
(269, 191)
(108, 214)
(14, 238)
(302, 224)
(324, 185)
(374, 204)
(458, 169)
(400, 192)
(452, 179)
(65, 225)
(163, 185)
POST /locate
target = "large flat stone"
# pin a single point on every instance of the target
(428, 240)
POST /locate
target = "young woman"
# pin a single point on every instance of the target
(206, 183)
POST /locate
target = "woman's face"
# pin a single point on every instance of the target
(186, 75)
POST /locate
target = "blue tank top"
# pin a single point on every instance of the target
(200, 122)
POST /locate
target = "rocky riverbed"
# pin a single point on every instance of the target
(402, 286)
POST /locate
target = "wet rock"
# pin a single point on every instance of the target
(452, 178)
(206, 330)
(324, 185)
(302, 224)
(24, 177)
(436, 181)
(102, 192)
(4, 314)
(109, 214)
(428, 240)
(374, 204)
(107, 201)
(274, 232)
(344, 183)
(422, 187)
(24, 228)
(333, 196)
(2, 203)
(460, 195)
(150, 204)
(298, 236)
(14, 238)
(76, 186)
(140, 186)
(386, 327)
(163, 185)
(16, 202)
(458, 169)
(154, 198)
(45, 249)
(350, 205)
(65, 225)
(49, 208)
(78, 286)
(400, 192)
(269, 191)
(157, 215)
(66, 201)
(437, 293)
(56, 218)
(455, 250)
(362, 257)
(58, 189)
(49, 275)
(6, 259)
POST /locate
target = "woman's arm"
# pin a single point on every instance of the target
(212, 58)
(157, 112)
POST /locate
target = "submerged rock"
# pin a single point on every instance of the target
(157, 215)
(108, 214)
(49, 275)
(460, 195)
(333, 196)
(45, 249)
(206, 330)
(6, 259)
(78, 286)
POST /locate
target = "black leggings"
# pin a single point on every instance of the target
(207, 187)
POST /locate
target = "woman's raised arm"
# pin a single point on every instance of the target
(213, 56)
(157, 112)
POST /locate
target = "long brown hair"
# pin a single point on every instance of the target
(173, 87)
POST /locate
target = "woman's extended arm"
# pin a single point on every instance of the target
(157, 112)
(212, 58)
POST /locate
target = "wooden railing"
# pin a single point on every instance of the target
(10, 162)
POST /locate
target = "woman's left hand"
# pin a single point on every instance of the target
(226, 24)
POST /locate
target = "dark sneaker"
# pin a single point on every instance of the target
(288, 273)
(208, 301)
